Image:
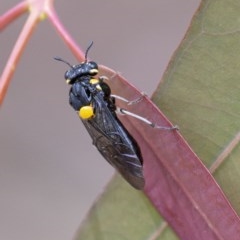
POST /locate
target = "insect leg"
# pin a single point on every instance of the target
(130, 102)
(151, 124)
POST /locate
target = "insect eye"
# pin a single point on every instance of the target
(66, 75)
(93, 65)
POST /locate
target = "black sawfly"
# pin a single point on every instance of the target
(91, 98)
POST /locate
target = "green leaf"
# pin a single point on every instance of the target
(123, 213)
(199, 92)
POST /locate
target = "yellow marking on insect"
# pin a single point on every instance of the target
(68, 81)
(86, 112)
(95, 81)
(93, 71)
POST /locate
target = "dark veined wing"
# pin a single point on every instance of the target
(115, 143)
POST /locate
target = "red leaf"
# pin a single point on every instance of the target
(178, 184)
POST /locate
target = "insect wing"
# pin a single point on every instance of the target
(114, 143)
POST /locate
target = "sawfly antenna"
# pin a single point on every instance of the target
(86, 53)
(62, 60)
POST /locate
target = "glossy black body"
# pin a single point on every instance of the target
(109, 135)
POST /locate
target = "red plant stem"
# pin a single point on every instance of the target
(79, 54)
(16, 53)
(13, 13)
